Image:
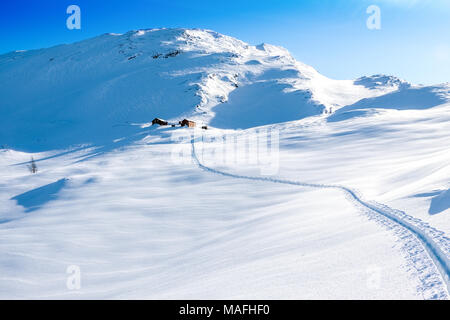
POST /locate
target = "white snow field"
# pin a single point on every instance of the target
(350, 198)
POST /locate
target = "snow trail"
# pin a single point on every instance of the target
(423, 242)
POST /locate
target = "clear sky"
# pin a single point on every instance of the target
(331, 35)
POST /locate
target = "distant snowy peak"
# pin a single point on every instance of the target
(381, 81)
(202, 41)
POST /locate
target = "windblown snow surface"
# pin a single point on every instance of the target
(354, 203)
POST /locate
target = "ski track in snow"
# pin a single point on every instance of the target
(427, 249)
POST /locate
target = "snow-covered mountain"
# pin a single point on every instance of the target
(357, 208)
(104, 88)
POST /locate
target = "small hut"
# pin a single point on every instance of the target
(188, 123)
(161, 122)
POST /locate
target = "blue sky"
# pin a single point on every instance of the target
(330, 35)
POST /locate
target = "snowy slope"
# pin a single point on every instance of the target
(111, 198)
(140, 226)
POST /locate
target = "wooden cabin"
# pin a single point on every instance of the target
(161, 122)
(188, 123)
